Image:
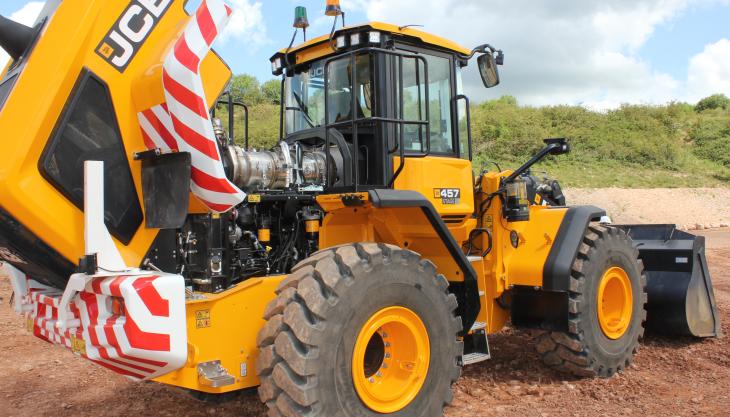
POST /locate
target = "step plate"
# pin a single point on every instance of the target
(473, 358)
(476, 347)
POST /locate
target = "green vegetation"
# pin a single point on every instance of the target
(673, 145)
(715, 101)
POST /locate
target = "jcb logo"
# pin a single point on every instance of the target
(129, 33)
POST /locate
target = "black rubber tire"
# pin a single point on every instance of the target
(305, 347)
(584, 350)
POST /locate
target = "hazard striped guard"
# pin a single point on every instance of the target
(183, 123)
(132, 325)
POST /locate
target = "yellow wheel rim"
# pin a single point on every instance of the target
(391, 359)
(615, 303)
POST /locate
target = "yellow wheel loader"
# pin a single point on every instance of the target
(351, 270)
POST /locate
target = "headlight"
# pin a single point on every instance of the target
(276, 65)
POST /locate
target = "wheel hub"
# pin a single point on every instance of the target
(615, 303)
(391, 359)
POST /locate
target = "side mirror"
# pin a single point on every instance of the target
(488, 70)
(559, 146)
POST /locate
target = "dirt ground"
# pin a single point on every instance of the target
(670, 377)
(686, 207)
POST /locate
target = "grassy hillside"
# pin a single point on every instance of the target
(674, 145)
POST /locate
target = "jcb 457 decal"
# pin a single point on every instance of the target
(447, 195)
(130, 31)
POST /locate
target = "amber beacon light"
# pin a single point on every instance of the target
(333, 8)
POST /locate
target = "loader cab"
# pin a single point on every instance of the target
(378, 96)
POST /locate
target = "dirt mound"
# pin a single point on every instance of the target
(686, 207)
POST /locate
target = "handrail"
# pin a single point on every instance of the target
(355, 121)
(455, 112)
(231, 117)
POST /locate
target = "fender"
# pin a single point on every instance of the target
(467, 293)
(556, 274)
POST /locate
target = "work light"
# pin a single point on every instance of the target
(355, 39)
(374, 37)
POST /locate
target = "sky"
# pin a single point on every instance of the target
(595, 53)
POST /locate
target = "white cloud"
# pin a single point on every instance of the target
(27, 16)
(247, 25)
(709, 71)
(558, 51)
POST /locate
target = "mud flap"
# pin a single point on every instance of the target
(681, 300)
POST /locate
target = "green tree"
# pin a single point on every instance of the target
(715, 101)
(246, 88)
(271, 91)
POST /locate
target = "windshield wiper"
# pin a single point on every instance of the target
(303, 109)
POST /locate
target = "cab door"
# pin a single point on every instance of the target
(437, 159)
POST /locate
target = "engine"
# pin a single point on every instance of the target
(278, 169)
(276, 227)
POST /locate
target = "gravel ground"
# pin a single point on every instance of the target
(670, 377)
(686, 207)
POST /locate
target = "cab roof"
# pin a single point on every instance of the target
(319, 47)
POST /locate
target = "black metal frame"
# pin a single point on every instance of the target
(455, 112)
(231, 116)
(355, 120)
(453, 62)
(402, 51)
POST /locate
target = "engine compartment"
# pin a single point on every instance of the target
(275, 227)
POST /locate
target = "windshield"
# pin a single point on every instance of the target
(305, 99)
(305, 94)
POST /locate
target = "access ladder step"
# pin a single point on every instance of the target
(476, 347)
(473, 358)
(478, 325)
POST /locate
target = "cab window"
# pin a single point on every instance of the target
(439, 106)
(462, 119)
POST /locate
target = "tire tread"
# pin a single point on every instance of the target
(568, 352)
(295, 318)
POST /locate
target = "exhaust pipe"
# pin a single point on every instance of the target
(15, 38)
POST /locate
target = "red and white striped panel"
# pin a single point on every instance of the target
(144, 339)
(183, 123)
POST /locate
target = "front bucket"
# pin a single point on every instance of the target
(681, 300)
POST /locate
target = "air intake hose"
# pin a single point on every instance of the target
(15, 38)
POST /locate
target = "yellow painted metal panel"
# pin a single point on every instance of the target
(224, 327)
(43, 89)
(322, 47)
(431, 173)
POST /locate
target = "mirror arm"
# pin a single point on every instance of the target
(484, 49)
(554, 147)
